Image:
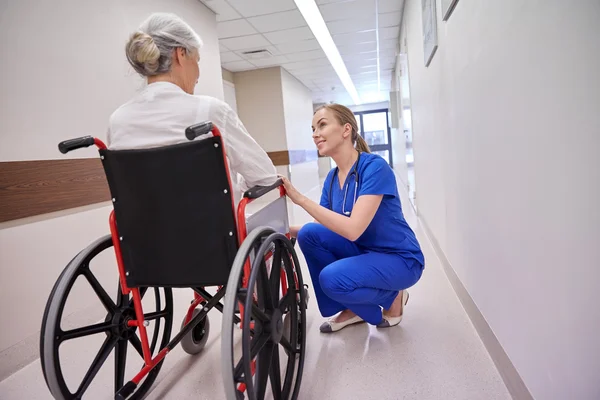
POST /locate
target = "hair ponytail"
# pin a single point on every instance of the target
(361, 145)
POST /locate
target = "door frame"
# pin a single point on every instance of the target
(378, 147)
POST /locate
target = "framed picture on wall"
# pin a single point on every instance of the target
(430, 39)
(447, 8)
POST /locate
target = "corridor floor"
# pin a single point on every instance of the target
(434, 353)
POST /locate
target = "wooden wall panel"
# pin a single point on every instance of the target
(29, 188)
(286, 157)
(279, 157)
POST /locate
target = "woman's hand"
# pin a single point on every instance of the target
(291, 191)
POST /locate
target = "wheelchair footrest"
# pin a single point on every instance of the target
(125, 391)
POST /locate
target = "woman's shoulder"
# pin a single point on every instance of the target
(212, 101)
(373, 160)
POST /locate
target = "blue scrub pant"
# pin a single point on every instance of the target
(346, 277)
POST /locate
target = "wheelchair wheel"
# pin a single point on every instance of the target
(194, 342)
(267, 353)
(113, 330)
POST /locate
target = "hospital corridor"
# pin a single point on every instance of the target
(300, 199)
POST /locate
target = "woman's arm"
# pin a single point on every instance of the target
(294, 229)
(349, 227)
(245, 155)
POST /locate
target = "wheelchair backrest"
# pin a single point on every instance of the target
(173, 209)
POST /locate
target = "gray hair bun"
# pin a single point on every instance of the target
(150, 49)
(143, 54)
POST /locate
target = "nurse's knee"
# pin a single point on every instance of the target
(331, 281)
(309, 235)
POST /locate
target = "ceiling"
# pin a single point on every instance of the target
(279, 27)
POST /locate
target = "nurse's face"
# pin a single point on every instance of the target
(329, 134)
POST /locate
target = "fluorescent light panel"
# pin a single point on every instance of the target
(314, 19)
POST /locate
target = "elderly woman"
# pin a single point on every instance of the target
(166, 51)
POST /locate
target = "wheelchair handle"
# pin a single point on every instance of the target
(74, 144)
(192, 132)
(258, 191)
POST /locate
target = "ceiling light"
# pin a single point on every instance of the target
(314, 19)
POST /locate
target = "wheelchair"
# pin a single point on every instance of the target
(174, 225)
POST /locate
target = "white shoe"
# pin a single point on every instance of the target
(388, 321)
(332, 326)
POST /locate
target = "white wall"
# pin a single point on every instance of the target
(298, 107)
(229, 94)
(69, 72)
(297, 104)
(399, 142)
(63, 73)
(277, 111)
(506, 135)
(260, 106)
(229, 89)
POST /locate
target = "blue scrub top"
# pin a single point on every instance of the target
(388, 232)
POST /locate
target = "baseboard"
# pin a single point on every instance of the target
(507, 370)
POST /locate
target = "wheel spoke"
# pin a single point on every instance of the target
(142, 293)
(263, 364)
(157, 327)
(120, 359)
(260, 315)
(100, 292)
(137, 345)
(86, 331)
(257, 313)
(263, 287)
(287, 301)
(275, 374)
(101, 357)
(256, 345)
(275, 278)
(156, 315)
(287, 346)
(289, 375)
(121, 298)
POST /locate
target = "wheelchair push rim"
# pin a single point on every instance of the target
(118, 333)
(263, 340)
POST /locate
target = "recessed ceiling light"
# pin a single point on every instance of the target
(314, 19)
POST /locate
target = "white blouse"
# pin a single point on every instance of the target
(159, 115)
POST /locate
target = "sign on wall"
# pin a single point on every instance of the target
(447, 8)
(430, 39)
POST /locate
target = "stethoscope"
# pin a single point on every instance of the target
(354, 172)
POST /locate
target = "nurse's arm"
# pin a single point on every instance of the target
(349, 227)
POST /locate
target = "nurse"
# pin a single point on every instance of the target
(361, 253)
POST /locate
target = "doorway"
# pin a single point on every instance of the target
(374, 127)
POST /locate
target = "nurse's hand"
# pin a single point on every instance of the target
(291, 191)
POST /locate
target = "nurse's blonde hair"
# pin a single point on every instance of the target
(150, 49)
